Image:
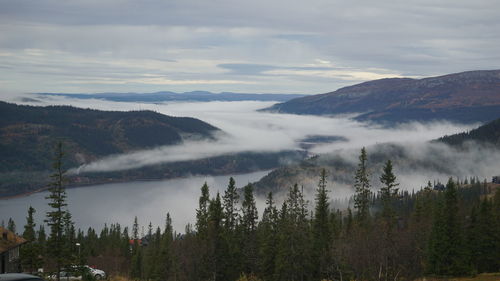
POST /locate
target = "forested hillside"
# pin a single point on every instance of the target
(485, 134)
(450, 230)
(28, 135)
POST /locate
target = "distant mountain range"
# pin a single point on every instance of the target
(466, 97)
(201, 96)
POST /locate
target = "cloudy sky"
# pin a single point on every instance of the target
(272, 46)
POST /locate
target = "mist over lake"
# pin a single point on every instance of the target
(93, 206)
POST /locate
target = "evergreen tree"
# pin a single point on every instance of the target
(267, 237)
(388, 192)
(217, 249)
(293, 257)
(202, 211)
(485, 242)
(55, 217)
(362, 186)
(248, 227)
(30, 252)
(322, 230)
(231, 198)
(135, 229)
(11, 225)
(231, 230)
(204, 270)
(446, 254)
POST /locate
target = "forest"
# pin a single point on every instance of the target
(386, 234)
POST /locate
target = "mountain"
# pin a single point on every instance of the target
(466, 97)
(485, 134)
(28, 133)
(200, 96)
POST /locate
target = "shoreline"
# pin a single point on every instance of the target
(73, 185)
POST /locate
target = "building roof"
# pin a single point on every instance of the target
(12, 240)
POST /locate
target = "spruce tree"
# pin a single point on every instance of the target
(267, 237)
(293, 260)
(388, 192)
(30, 252)
(362, 188)
(217, 249)
(231, 219)
(231, 198)
(322, 234)
(446, 253)
(248, 228)
(11, 225)
(202, 211)
(55, 217)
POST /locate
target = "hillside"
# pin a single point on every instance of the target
(487, 134)
(467, 97)
(28, 133)
(432, 158)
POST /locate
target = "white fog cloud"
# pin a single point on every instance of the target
(245, 129)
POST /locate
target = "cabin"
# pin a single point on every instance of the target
(496, 179)
(439, 186)
(10, 244)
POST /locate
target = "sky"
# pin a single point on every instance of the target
(271, 46)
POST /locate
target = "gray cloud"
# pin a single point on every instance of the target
(201, 40)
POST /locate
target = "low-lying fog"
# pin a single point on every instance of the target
(245, 129)
(248, 130)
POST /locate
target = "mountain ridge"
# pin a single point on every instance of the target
(165, 96)
(407, 99)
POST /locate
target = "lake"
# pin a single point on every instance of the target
(93, 206)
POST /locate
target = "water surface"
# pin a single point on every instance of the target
(92, 206)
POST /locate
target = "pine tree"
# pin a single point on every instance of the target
(446, 254)
(248, 227)
(30, 252)
(135, 229)
(388, 192)
(231, 198)
(362, 186)
(202, 211)
(267, 237)
(204, 271)
(217, 249)
(293, 257)
(55, 217)
(485, 243)
(11, 225)
(231, 230)
(322, 230)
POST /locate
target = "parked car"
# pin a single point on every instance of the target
(97, 273)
